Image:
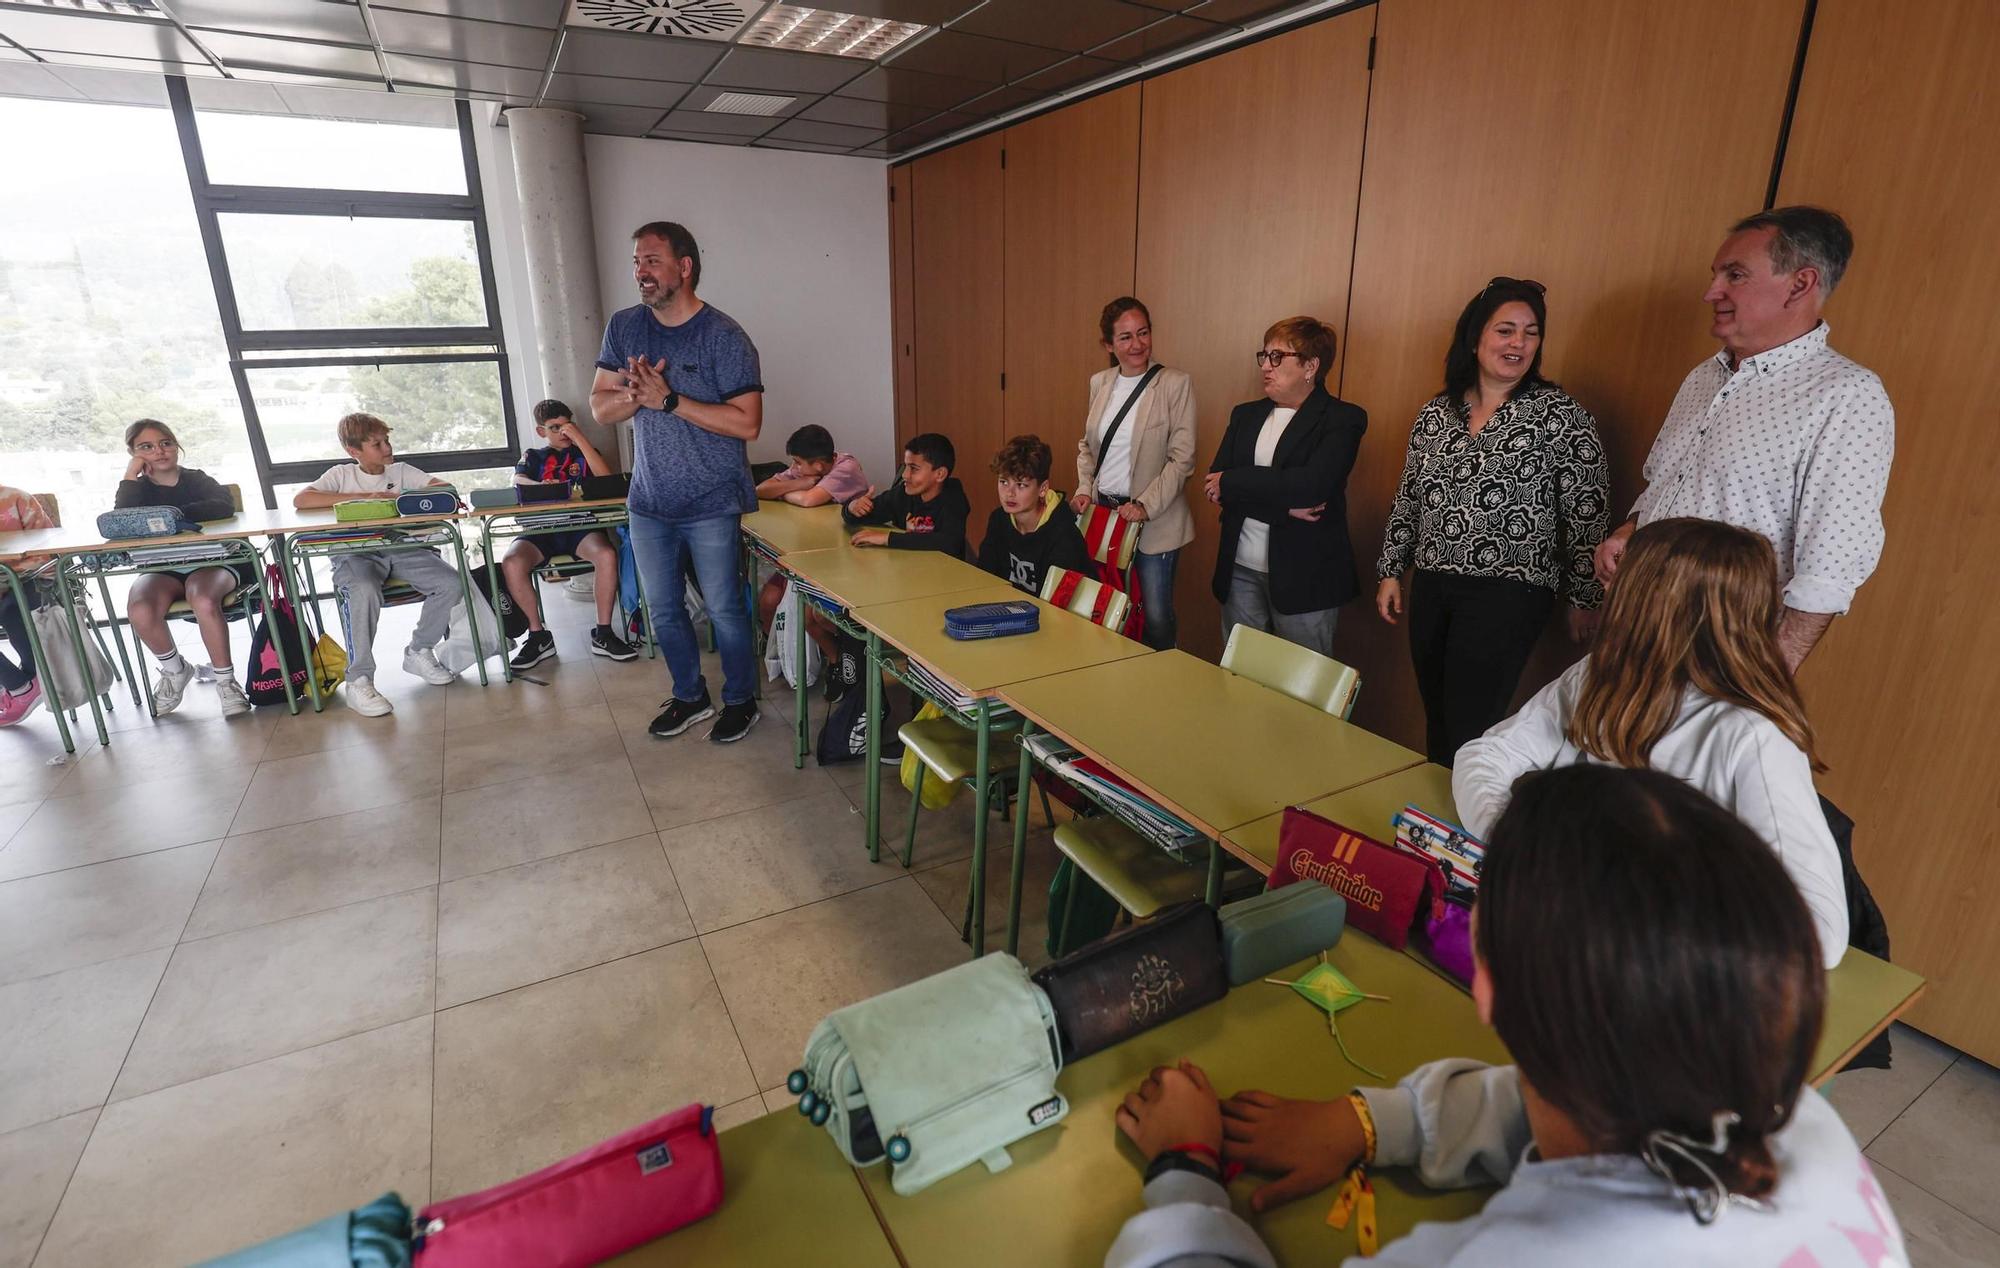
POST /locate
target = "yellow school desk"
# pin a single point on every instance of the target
(1072, 1186)
(856, 576)
(1212, 747)
(977, 668)
(778, 528)
(1863, 994)
(788, 1198)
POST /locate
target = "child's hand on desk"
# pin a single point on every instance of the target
(870, 537)
(1307, 1145)
(864, 504)
(1174, 1106)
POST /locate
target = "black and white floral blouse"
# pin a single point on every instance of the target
(1527, 498)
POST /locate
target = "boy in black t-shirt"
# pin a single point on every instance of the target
(1033, 529)
(568, 456)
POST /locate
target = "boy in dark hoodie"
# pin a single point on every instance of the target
(929, 506)
(1033, 530)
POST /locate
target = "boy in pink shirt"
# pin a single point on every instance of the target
(818, 476)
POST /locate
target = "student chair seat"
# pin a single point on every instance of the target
(1299, 672)
(1087, 597)
(1110, 537)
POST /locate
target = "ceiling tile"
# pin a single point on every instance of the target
(636, 56)
(350, 83)
(1069, 74)
(911, 87)
(237, 96)
(879, 115)
(700, 138)
(609, 120)
(700, 98)
(1161, 37)
(743, 125)
(142, 65)
(661, 94)
(1239, 10)
(776, 70)
(1070, 25)
(928, 12)
(99, 36)
(525, 12)
(465, 76)
(335, 20)
(975, 57)
(116, 87)
(32, 79)
(825, 133)
(8, 53)
(495, 43)
(374, 107)
(299, 56)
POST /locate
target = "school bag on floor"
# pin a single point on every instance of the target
(781, 650)
(264, 678)
(74, 681)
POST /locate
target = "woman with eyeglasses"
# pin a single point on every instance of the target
(1503, 500)
(1136, 454)
(1284, 563)
(155, 477)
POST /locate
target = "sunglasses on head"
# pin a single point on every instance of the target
(1528, 282)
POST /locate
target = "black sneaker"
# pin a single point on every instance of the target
(734, 723)
(538, 647)
(679, 715)
(604, 643)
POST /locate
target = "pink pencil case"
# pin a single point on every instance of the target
(629, 1190)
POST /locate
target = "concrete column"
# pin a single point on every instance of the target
(554, 189)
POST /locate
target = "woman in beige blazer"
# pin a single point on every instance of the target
(1142, 470)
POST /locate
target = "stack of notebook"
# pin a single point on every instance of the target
(1170, 833)
(188, 553)
(935, 688)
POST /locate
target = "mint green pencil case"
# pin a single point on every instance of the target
(1264, 933)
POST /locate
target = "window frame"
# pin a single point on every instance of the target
(211, 201)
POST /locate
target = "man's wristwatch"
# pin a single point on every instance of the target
(671, 403)
(1176, 1160)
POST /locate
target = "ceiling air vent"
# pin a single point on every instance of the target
(748, 103)
(803, 30)
(695, 19)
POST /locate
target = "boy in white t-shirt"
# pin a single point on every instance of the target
(359, 578)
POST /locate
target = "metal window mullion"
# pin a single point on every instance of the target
(469, 152)
(368, 337)
(377, 202)
(294, 363)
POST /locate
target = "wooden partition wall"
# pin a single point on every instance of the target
(1603, 149)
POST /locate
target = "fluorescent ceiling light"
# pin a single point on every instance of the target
(803, 30)
(748, 103)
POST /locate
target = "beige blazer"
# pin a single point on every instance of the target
(1163, 442)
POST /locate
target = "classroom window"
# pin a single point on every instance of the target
(432, 406)
(305, 153)
(299, 272)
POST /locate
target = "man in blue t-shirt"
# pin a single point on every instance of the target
(686, 377)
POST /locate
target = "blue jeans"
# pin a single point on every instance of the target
(663, 549)
(1156, 592)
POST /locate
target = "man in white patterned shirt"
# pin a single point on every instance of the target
(1778, 433)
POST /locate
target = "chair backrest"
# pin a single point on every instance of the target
(1299, 672)
(48, 501)
(1108, 536)
(1088, 597)
(235, 496)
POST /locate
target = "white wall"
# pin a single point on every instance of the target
(795, 247)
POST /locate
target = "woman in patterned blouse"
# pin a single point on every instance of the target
(1502, 501)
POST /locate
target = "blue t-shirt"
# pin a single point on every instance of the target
(680, 471)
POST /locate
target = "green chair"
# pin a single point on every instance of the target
(1140, 876)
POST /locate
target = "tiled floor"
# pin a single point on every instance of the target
(252, 971)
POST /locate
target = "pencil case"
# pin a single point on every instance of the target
(1136, 979)
(992, 620)
(145, 521)
(1267, 931)
(377, 1234)
(439, 499)
(545, 491)
(509, 496)
(364, 509)
(616, 485)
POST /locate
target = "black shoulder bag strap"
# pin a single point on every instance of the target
(1104, 444)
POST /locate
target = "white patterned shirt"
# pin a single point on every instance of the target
(1794, 443)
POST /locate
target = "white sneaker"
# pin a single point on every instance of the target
(167, 692)
(423, 662)
(365, 700)
(229, 694)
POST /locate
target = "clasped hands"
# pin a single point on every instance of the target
(1304, 1145)
(1212, 485)
(646, 382)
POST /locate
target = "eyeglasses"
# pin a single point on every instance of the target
(1528, 282)
(147, 446)
(1274, 359)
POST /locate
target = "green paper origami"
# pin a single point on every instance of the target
(1329, 989)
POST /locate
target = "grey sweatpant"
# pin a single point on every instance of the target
(358, 579)
(1249, 603)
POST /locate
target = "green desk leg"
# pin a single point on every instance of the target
(805, 724)
(286, 556)
(1019, 867)
(493, 588)
(981, 786)
(471, 617)
(874, 757)
(1213, 895)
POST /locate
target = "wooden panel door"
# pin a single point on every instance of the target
(1249, 172)
(958, 236)
(1609, 168)
(1072, 208)
(903, 319)
(1894, 129)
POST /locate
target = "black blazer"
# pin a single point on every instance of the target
(1312, 562)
